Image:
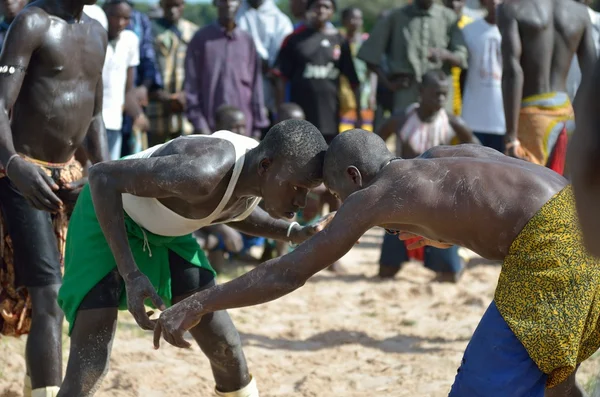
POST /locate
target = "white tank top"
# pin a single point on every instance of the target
(155, 217)
(422, 136)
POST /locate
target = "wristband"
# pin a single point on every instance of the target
(10, 159)
(511, 144)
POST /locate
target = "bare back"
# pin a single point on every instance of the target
(480, 202)
(55, 101)
(551, 32)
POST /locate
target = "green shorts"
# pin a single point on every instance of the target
(88, 258)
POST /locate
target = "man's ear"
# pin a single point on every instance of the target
(264, 166)
(354, 174)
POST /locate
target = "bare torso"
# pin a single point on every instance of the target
(551, 31)
(55, 106)
(478, 202)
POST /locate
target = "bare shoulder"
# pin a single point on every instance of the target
(466, 150)
(97, 29)
(210, 158)
(32, 21)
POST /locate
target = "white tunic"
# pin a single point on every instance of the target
(155, 217)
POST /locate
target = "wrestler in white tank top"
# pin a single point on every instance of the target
(155, 217)
(422, 136)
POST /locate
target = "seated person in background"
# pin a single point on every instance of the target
(228, 240)
(421, 127)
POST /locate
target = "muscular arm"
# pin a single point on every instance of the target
(280, 276)
(22, 39)
(463, 132)
(391, 126)
(586, 57)
(96, 144)
(157, 177)
(512, 75)
(132, 107)
(261, 224)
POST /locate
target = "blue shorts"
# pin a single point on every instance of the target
(496, 364)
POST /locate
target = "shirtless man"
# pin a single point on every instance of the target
(50, 80)
(130, 238)
(539, 39)
(467, 195)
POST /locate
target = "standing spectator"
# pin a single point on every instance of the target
(147, 76)
(268, 26)
(122, 56)
(483, 109)
(352, 20)
(384, 97)
(456, 89)
(298, 11)
(222, 67)
(312, 60)
(416, 38)
(171, 33)
(9, 9)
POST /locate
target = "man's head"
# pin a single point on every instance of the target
(118, 13)
(290, 163)
(298, 8)
(255, 3)
(424, 4)
(172, 9)
(433, 90)
(352, 19)
(490, 6)
(352, 161)
(226, 10)
(10, 8)
(456, 5)
(231, 119)
(322, 10)
(290, 111)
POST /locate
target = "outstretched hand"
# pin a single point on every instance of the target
(139, 288)
(174, 322)
(35, 185)
(306, 232)
(422, 242)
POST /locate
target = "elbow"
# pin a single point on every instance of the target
(290, 282)
(98, 178)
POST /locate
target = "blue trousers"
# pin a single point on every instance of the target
(394, 253)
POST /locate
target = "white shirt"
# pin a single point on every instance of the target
(95, 12)
(120, 56)
(268, 26)
(155, 217)
(574, 76)
(483, 109)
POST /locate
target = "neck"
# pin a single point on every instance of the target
(385, 161)
(112, 36)
(318, 26)
(491, 19)
(351, 33)
(69, 10)
(424, 113)
(228, 25)
(249, 181)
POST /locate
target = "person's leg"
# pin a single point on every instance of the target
(445, 262)
(568, 388)
(393, 255)
(92, 337)
(496, 364)
(215, 334)
(37, 266)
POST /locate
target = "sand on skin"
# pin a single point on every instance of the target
(337, 336)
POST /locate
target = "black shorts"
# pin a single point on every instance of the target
(185, 280)
(36, 257)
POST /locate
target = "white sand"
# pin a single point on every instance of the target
(337, 336)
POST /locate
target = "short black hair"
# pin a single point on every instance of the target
(297, 142)
(347, 12)
(309, 4)
(359, 148)
(223, 111)
(286, 109)
(109, 3)
(432, 77)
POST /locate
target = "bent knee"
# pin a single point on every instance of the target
(44, 302)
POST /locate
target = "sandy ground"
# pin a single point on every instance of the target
(337, 336)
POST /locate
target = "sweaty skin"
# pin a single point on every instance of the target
(190, 175)
(57, 103)
(454, 194)
(539, 39)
